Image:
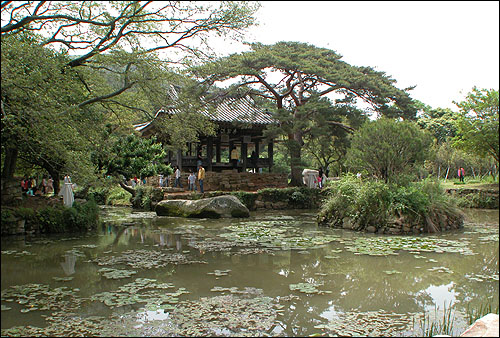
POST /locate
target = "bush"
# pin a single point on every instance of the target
(146, 196)
(247, 198)
(374, 203)
(118, 196)
(99, 195)
(296, 197)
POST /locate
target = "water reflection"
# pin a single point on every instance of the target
(69, 263)
(409, 282)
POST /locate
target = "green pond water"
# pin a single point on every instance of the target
(273, 274)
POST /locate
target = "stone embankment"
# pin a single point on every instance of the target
(229, 180)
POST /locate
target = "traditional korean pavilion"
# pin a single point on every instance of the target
(240, 123)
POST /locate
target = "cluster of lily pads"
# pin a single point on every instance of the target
(368, 324)
(274, 235)
(142, 290)
(147, 259)
(383, 246)
(308, 288)
(41, 297)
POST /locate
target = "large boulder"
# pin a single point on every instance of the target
(213, 207)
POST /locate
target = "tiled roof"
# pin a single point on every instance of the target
(232, 109)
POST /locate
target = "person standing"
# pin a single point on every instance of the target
(50, 185)
(320, 178)
(177, 177)
(191, 181)
(67, 191)
(234, 157)
(461, 174)
(201, 177)
(160, 181)
(44, 185)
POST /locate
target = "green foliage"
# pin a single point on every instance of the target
(478, 122)
(478, 200)
(439, 122)
(297, 197)
(118, 196)
(374, 203)
(247, 198)
(306, 75)
(134, 155)
(387, 148)
(146, 196)
(80, 217)
(98, 195)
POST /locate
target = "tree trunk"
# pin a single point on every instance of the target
(10, 161)
(295, 159)
(55, 178)
(127, 188)
(447, 171)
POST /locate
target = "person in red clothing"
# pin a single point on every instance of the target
(461, 174)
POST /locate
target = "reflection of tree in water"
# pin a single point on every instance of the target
(484, 291)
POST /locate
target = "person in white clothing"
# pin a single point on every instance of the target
(178, 178)
(67, 192)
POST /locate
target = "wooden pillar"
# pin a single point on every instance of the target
(217, 150)
(257, 150)
(244, 155)
(231, 145)
(270, 154)
(210, 152)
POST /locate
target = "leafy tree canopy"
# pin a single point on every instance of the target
(477, 124)
(293, 76)
(386, 148)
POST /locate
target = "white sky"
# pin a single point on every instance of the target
(443, 47)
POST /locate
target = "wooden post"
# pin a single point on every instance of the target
(210, 152)
(257, 146)
(217, 150)
(244, 155)
(270, 154)
(231, 145)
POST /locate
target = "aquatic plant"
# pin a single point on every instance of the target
(430, 326)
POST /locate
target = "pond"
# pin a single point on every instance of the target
(273, 274)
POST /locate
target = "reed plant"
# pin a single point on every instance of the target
(431, 325)
(474, 313)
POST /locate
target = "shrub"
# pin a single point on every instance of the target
(374, 203)
(146, 196)
(118, 196)
(247, 198)
(99, 195)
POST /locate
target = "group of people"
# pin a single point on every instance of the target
(321, 179)
(191, 178)
(30, 187)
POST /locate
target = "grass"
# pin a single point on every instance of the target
(474, 314)
(433, 326)
(470, 183)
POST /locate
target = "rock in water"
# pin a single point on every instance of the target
(213, 207)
